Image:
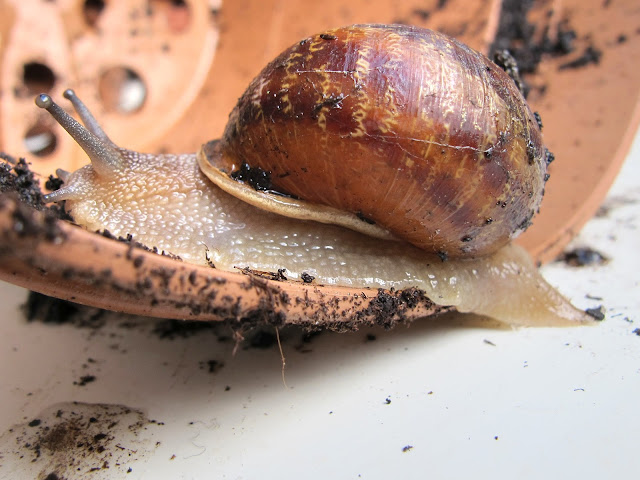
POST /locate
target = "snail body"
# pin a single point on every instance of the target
(168, 201)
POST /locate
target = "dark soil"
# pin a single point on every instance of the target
(598, 313)
(16, 177)
(529, 43)
(71, 440)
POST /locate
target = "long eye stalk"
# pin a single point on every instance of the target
(105, 156)
(86, 116)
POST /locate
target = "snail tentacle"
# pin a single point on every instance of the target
(106, 158)
(63, 193)
(87, 117)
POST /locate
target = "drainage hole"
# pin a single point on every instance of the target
(37, 78)
(40, 139)
(122, 90)
(91, 10)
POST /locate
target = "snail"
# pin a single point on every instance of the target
(372, 156)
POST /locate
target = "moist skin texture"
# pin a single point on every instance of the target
(165, 201)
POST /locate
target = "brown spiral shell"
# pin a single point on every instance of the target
(403, 126)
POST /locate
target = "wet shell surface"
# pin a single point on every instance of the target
(402, 126)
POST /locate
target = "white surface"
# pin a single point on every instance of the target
(533, 403)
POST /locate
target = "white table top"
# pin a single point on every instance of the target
(450, 397)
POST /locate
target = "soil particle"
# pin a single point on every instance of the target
(508, 63)
(582, 256)
(443, 256)
(538, 118)
(212, 366)
(306, 278)
(590, 55)
(597, 313)
(256, 177)
(549, 157)
(327, 36)
(53, 183)
(328, 102)
(84, 380)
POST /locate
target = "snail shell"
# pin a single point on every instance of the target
(401, 126)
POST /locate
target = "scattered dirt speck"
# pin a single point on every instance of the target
(84, 380)
(582, 256)
(590, 55)
(212, 366)
(597, 313)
